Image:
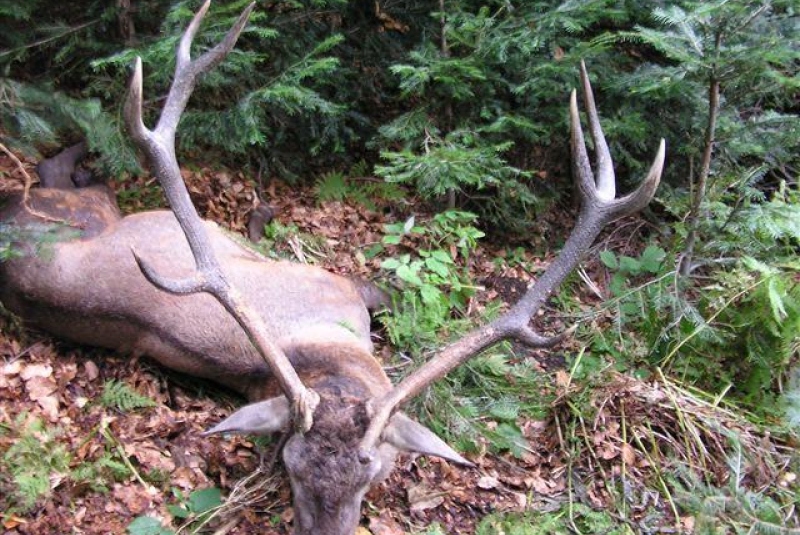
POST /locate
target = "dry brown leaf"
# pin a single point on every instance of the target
(39, 387)
(628, 454)
(421, 498)
(488, 482)
(91, 370)
(562, 379)
(12, 368)
(49, 405)
(150, 457)
(36, 370)
(385, 525)
(136, 501)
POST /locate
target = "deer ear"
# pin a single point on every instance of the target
(405, 434)
(260, 418)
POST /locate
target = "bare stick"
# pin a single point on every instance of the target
(26, 192)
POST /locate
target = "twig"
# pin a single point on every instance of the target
(46, 40)
(27, 189)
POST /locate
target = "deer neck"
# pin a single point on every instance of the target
(331, 360)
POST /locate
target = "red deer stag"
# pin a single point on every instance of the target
(170, 286)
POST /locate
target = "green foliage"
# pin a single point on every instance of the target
(32, 459)
(120, 396)
(625, 268)
(733, 509)
(452, 163)
(197, 504)
(334, 186)
(740, 334)
(148, 525)
(790, 400)
(434, 286)
(487, 397)
(38, 119)
(194, 509)
(39, 455)
(482, 90)
(253, 100)
(579, 518)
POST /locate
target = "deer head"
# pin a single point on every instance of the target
(344, 435)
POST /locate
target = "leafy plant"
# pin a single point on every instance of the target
(738, 335)
(713, 50)
(123, 398)
(254, 99)
(434, 286)
(625, 269)
(35, 456)
(733, 508)
(148, 525)
(195, 506)
(194, 509)
(37, 120)
(334, 186)
(39, 456)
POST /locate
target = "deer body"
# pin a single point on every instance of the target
(88, 288)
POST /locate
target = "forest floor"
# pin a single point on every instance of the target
(51, 411)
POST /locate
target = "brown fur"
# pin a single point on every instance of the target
(87, 288)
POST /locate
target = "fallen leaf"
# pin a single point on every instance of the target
(39, 387)
(488, 482)
(49, 405)
(91, 370)
(385, 525)
(628, 454)
(562, 378)
(12, 368)
(36, 370)
(421, 498)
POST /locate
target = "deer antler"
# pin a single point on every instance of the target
(599, 207)
(209, 277)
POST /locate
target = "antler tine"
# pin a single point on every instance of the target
(581, 167)
(183, 53)
(597, 210)
(159, 146)
(641, 196)
(187, 71)
(606, 181)
(132, 110)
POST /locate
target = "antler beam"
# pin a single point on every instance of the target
(599, 207)
(159, 146)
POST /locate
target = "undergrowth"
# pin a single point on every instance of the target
(40, 460)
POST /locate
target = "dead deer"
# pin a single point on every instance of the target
(170, 286)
